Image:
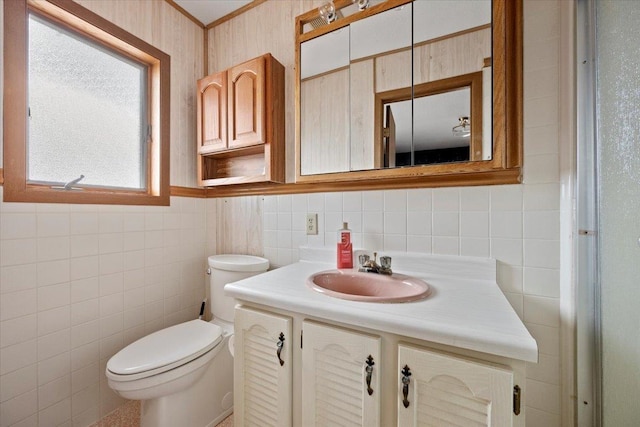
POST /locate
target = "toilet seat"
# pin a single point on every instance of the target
(164, 350)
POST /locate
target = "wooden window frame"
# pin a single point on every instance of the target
(92, 26)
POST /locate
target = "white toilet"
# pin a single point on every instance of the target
(184, 374)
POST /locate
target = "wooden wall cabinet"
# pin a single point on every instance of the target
(333, 375)
(240, 113)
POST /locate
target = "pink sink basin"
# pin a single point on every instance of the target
(369, 287)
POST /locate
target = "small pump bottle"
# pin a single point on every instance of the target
(345, 247)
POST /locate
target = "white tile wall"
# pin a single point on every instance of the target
(80, 282)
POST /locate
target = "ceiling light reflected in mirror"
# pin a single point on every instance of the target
(463, 129)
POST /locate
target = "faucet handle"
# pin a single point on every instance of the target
(363, 259)
(385, 262)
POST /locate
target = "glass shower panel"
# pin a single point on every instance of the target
(618, 142)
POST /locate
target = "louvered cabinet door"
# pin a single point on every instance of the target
(340, 377)
(443, 390)
(262, 368)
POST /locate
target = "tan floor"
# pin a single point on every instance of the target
(227, 422)
(128, 415)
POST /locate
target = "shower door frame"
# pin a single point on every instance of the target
(587, 269)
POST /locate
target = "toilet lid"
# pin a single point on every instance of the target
(179, 343)
(239, 263)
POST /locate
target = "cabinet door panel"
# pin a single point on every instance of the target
(247, 104)
(450, 391)
(262, 386)
(334, 377)
(212, 113)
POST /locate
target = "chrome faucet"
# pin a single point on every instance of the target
(368, 265)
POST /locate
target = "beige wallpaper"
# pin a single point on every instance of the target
(238, 226)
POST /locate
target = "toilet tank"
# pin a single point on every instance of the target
(227, 269)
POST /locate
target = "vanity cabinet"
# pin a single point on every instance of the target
(340, 380)
(452, 390)
(240, 124)
(262, 369)
(336, 375)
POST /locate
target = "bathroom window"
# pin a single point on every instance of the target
(86, 109)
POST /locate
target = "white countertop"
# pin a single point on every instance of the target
(466, 308)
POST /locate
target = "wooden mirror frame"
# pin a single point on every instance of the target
(506, 162)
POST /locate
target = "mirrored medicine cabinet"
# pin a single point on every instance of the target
(398, 93)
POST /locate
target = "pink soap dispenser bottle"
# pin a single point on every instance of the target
(345, 247)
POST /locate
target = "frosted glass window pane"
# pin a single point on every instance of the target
(87, 108)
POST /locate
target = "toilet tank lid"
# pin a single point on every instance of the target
(165, 347)
(238, 263)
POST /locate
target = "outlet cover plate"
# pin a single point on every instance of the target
(312, 224)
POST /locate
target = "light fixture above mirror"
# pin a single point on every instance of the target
(362, 4)
(328, 12)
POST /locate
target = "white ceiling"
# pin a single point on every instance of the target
(207, 11)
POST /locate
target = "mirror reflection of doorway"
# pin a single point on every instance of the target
(389, 136)
(423, 129)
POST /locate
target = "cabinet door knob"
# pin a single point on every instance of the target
(279, 345)
(369, 370)
(406, 373)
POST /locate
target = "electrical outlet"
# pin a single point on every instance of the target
(312, 224)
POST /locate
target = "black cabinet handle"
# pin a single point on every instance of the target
(406, 373)
(280, 344)
(369, 370)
